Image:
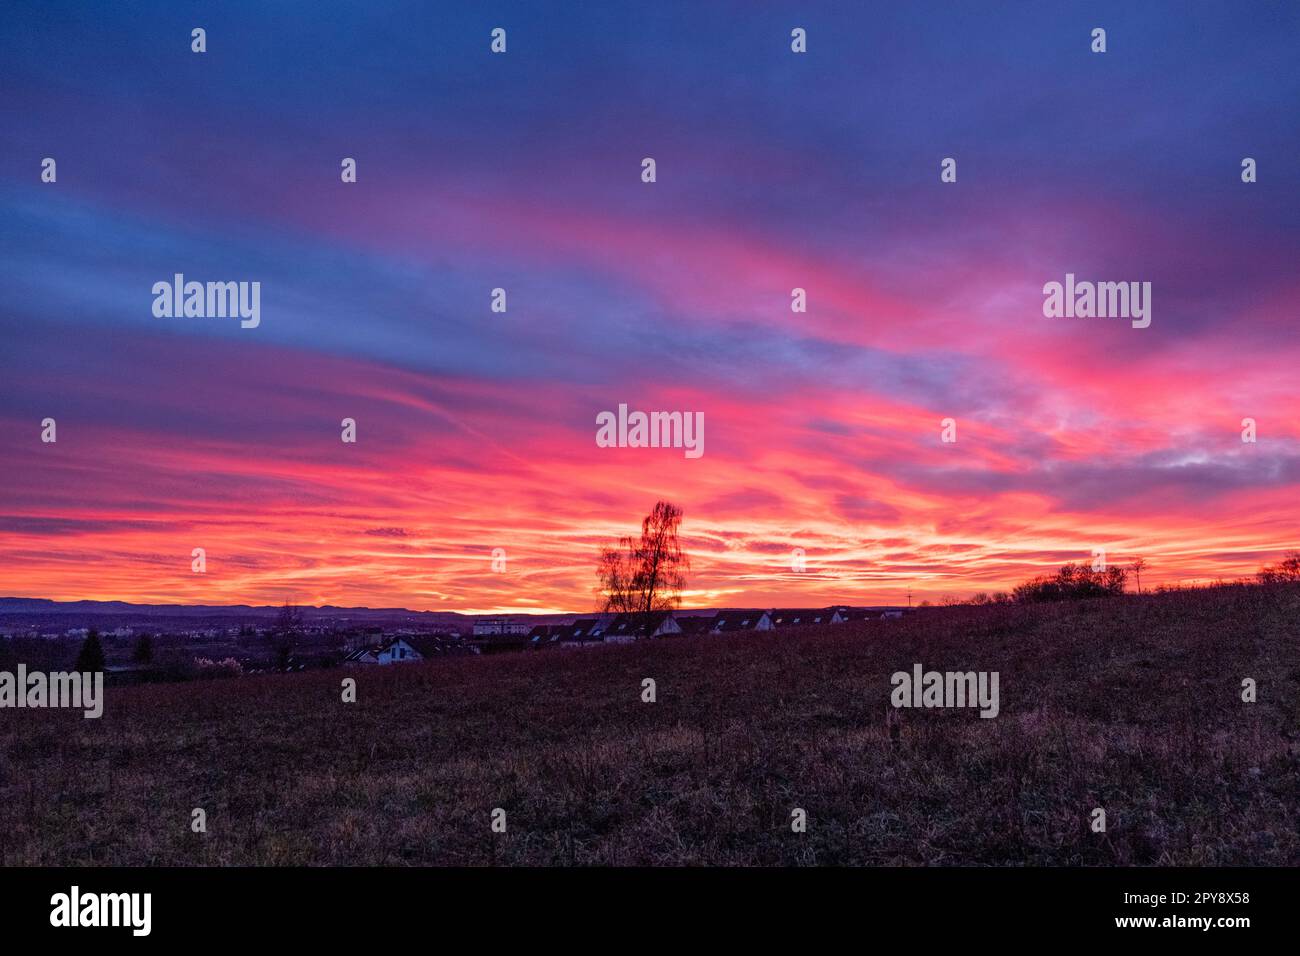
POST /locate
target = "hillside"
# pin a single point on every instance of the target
(1131, 704)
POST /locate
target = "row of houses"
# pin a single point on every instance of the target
(500, 635)
(625, 628)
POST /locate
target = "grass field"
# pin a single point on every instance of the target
(1129, 704)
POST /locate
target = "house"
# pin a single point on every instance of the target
(545, 635)
(790, 616)
(584, 632)
(873, 613)
(500, 643)
(694, 623)
(728, 622)
(366, 655)
(856, 613)
(396, 650)
(437, 645)
(404, 650)
(633, 627)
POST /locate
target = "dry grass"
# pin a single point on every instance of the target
(1130, 704)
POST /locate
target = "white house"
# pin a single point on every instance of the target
(397, 651)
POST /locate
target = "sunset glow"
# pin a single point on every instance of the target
(476, 430)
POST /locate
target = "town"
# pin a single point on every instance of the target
(141, 643)
(497, 634)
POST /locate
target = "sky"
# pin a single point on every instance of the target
(775, 170)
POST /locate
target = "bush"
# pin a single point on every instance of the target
(209, 669)
(1072, 581)
(1285, 572)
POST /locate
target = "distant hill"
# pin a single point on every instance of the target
(13, 605)
(59, 614)
(17, 605)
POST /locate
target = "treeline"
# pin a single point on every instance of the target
(1082, 581)
(1287, 571)
(1072, 581)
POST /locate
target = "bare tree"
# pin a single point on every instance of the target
(617, 582)
(638, 577)
(1137, 567)
(285, 633)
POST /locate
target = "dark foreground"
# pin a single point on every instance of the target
(1128, 704)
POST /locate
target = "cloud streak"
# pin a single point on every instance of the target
(476, 429)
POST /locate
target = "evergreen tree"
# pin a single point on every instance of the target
(91, 656)
(143, 653)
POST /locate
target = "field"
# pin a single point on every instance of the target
(1131, 704)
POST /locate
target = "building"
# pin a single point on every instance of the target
(791, 616)
(404, 650)
(543, 636)
(872, 613)
(694, 623)
(397, 651)
(854, 614)
(634, 627)
(500, 643)
(728, 622)
(584, 632)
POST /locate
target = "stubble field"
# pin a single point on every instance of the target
(1129, 704)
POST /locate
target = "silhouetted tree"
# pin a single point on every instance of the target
(143, 653)
(1137, 567)
(1287, 571)
(638, 577)
(1073, 581)
(91, 656)
(285, 633)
